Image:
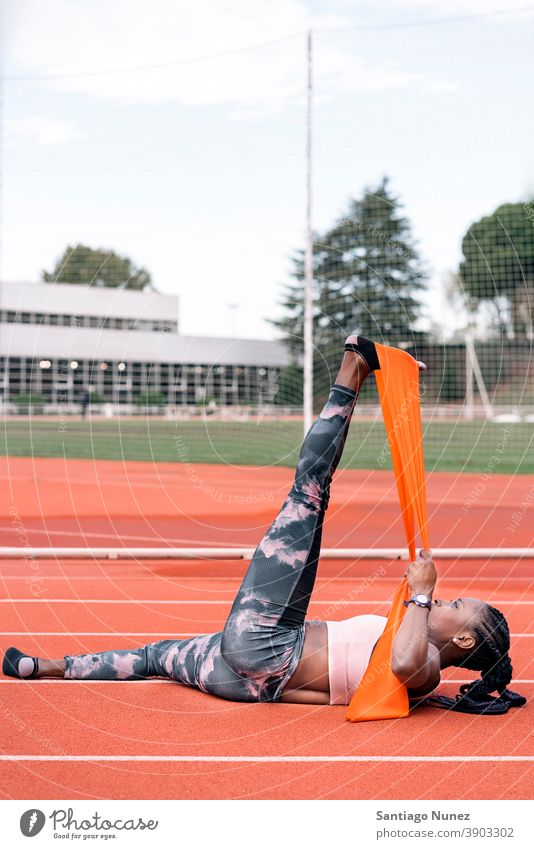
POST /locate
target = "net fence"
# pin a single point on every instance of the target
(423, 211)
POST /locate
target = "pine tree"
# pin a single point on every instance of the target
(367, 279)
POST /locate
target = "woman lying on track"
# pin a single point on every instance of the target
(268, 651)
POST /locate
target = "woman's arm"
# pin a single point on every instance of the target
(418, 695)
(414, 660)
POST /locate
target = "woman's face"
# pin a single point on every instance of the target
(453, 620)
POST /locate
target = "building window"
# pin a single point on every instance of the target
(105, 322)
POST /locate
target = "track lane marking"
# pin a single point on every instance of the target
(275, 758)
(130, 634)
(169, 681)
(154, 576)
(340, 602)
(98, 634)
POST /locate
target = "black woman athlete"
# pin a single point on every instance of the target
(268, 651)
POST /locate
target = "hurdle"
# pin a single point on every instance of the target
(167, 553)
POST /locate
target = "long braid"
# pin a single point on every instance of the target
(490, 656)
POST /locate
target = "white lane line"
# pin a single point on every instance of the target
(66, 681)
(111, 578)
(125, 634)
(269, 759)
(113, 536)
(340, 602)
(99, 634)
(100, 576)
(123, 601)
(227, 601)
(166, 681)
(154, 576)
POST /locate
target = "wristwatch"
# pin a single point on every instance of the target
(420, 599)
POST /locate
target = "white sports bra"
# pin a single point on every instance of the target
(350, 643)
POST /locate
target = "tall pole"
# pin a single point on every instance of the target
(4, 384)
(4, 373)
(1, 161)
(308, 257)
(4, 29)
(469, 408)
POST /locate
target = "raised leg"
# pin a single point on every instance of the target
(276, 590)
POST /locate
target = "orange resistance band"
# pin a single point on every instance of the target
(380, 695)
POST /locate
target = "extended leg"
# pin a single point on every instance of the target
(170, 658)
(275, 592)
(178, 659)
(197, 662)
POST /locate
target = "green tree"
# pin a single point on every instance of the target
(497, 269)
(367, 279)
(84, 266)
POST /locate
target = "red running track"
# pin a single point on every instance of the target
(201, 747)
(158, 739)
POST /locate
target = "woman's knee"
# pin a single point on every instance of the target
(158, 658)
(312, 491)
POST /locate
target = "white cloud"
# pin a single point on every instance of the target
(81, 40)
(35, 129)
(448, 8)
(440, 87)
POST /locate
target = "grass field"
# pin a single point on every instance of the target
(468, 446)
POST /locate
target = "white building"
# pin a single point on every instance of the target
(59, 342)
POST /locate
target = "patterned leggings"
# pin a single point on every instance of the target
(258, 651)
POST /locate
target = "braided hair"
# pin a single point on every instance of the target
(490, 656)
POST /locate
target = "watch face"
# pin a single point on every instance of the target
(421, 597)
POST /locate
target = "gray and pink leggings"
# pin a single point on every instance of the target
(258, 651)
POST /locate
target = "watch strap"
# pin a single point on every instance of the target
(414, 600)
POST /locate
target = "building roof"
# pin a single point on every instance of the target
(85, 343)
(66, 299)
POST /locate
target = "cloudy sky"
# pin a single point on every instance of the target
(174, 132)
